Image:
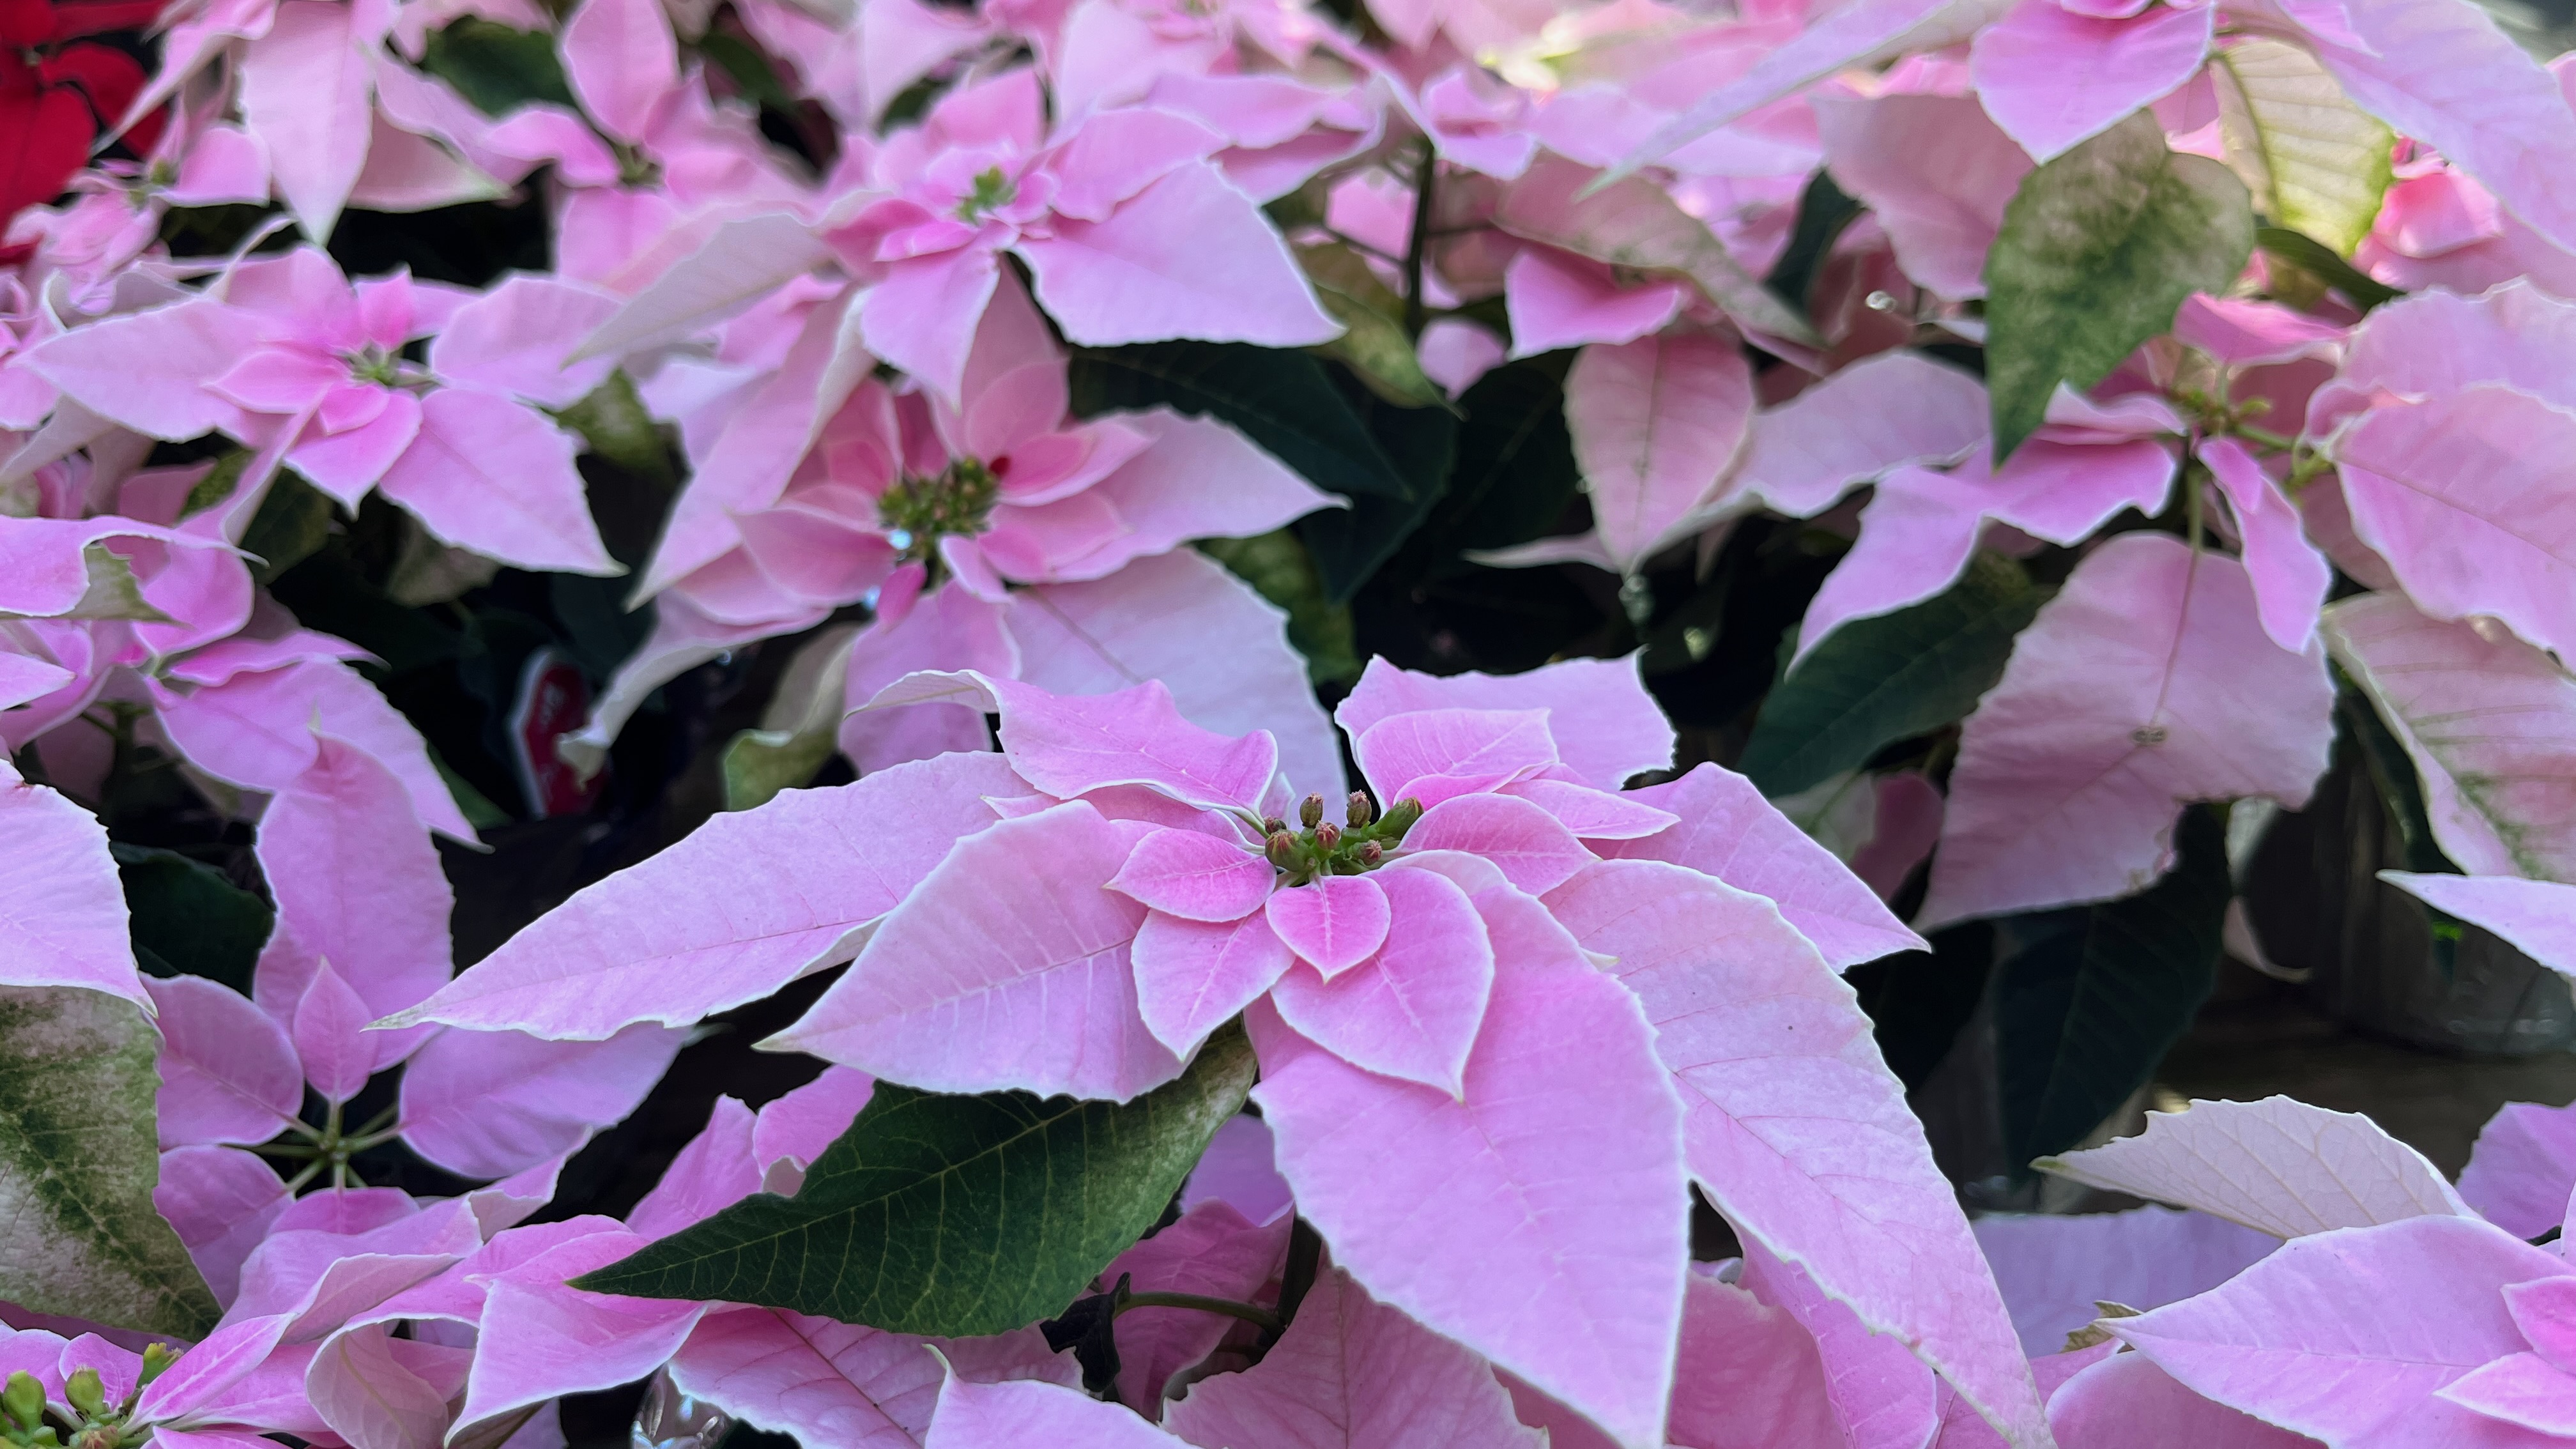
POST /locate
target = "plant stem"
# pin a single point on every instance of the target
(1427, 167)
(1252, 1313)
(2191, 477)
(1305, 1256)
(2265, 436)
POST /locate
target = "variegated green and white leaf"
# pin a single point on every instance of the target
(110, 591)
(78, 1162)
(798, 731)
(2316, 163)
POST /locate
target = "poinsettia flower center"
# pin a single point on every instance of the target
(99, 1423)
(1320, 848)
(918, 510)
(634, 168)
(375, 364)
(326, 1150)
(993, 189)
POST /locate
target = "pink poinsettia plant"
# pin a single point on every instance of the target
(1355, 656)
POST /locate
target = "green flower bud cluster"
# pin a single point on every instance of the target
(959, 500)
(22, 1412)
(97, 1424)
(1323, 848)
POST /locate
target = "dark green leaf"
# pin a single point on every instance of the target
(1875, 681)
(2088, 1000)
(1373, 344)
(2319, 261)
(1686, 635)
(2098, 250)
(330, 585)
(471, 802)
(1277, 565)
(187, 919)
(1823, 212)
(749, 69)
(496, 68)
(1284, 401)
(1515, 470)
(612, 420)
(1349, 545)
(427, 571)
(290, 526)
(1389, 461)
(78, 1162)
(2393, 773)
(1919, 1001)
(954, 1215)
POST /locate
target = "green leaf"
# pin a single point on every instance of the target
(1279, 568)
(218, 484)
(1919, 1001)
(1515, 470)
(799, 729)
(1373, 344)
(188, 920)
(471, 802)
(1823, 211)
(291, 525)
(760, 763)
(496, 68)
(748, 68)
(1349, 545)
(2098, 250)
(78, 1161)
(2306, 254)
(1390, 461)
(954, 1215)
(2088, 1000)
(2393, 773)
(111, 590)
(2315, 162)
(613, 421)
(427, 571)
(1284, 401)
(1876, 681)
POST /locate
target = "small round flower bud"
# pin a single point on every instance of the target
(1282, 850)
(1362, 809)
(1400, 817)
(24, 1400)
(156, 1357)
(1328, 835)
(1273, 825)
(1371, 852)
(99, 1436)
(84, 1392)
(1310, 811)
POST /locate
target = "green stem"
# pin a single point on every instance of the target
(2265, 436)
(2191, 477)
(1355, 244)
(1251, 1313)
(1414, 312)
(1305, 1257)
